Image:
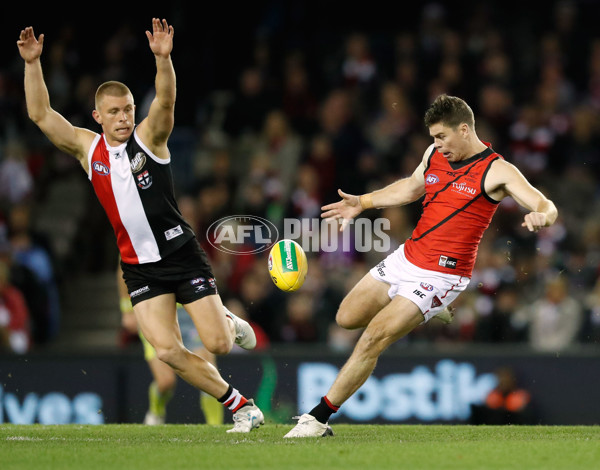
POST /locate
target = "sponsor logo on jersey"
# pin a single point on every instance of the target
(463, 188)
(144, 180)
(100, 168)
(173, 232)
(198, 280)
(447, 262)
(427, 287)
(138, 162)
(431, 179)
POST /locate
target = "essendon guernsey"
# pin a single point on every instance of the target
(456, 212)
(136, 190)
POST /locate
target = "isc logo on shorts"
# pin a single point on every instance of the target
(447, 262)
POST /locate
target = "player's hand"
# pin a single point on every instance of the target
(535, 221)
(30, 48)
(346, 209)
(161, 37)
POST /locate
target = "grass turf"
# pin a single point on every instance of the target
(132, 446)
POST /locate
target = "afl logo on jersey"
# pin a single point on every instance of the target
(100, 168)
(431, 179)
(138, 162)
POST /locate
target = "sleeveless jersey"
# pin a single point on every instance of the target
(135, 188)
(456, 212)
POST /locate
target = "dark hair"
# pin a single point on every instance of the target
(450, 111)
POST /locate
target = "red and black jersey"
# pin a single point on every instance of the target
(456, 212)
(135, 187)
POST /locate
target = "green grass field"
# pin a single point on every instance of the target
(133, 446)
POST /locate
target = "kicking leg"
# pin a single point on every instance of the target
(395, 320)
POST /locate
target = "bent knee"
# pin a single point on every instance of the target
(347, 319)
(218, 346)
(171, 355)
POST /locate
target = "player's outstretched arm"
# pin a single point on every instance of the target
(156, 128)
(399, 193)
(60, 132)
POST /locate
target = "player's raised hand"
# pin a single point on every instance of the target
(30, 48)
(161, 37)
(346, 209)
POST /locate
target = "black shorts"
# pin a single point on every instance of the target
(185, 273)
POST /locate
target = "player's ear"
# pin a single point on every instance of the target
(96, 116)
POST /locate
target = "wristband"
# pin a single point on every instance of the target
(126, 306)
(366, 201)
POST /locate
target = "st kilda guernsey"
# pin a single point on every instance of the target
(135, 187)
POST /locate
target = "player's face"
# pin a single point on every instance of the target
(117, 116)
(449, 142)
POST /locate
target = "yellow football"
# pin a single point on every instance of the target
(287, 265)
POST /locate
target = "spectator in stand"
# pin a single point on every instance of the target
(250, 106)
(300, 103)
(320, 156)
(281, 148)
(338, 122)
(34, 292)
(16, 181)
(14, 315)
(359, 72)
(29, 249)
(507, 403)
(300, 325)
(555, 320)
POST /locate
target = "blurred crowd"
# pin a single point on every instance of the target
(308, 114)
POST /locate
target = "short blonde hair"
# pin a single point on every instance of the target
(111, 88)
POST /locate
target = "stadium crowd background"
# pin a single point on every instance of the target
(281, 103)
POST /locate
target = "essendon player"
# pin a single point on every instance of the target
(463, 180)
(162, 261)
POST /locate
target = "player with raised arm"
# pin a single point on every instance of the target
(162, 261)
(463, 180)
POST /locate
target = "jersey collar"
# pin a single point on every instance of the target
(479, 156)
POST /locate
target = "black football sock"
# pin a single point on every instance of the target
(323, 410)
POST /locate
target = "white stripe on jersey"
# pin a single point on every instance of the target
(130, 207)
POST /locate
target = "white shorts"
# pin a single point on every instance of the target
(431, 291)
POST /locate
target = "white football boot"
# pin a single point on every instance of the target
(244, 334)
(247, 418)
(308, 426)
(152, 419)
(446, 316)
